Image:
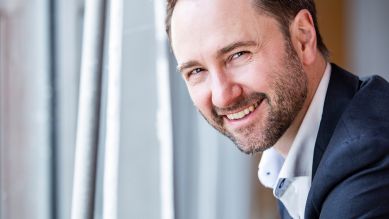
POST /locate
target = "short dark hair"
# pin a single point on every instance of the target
(282, 10)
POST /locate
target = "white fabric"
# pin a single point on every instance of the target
(296, 169)
(269, 167)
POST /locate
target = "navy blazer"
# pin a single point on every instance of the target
(350, 174)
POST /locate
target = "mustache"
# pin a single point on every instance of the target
(244, 101)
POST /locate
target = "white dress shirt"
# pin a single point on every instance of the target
(291, 178)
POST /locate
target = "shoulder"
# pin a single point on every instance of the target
(352, 179)
(362, 131)
(373, 94)
(367, 114)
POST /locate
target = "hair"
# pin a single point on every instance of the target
(282, 10)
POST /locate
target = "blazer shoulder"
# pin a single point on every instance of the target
(354, 170)
(368, 111)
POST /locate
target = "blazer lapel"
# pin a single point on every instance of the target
(341, 88)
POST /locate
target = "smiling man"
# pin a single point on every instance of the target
(257, 71)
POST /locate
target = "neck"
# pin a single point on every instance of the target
(314, 74)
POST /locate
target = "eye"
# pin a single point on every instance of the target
(238, 54)
(194, 75)
(194, 72)
(238, 58)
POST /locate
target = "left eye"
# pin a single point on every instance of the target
(237, 55)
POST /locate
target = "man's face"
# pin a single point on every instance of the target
(242, 74)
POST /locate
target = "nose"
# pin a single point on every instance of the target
(224, 90)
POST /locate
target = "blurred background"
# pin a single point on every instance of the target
(170, 163)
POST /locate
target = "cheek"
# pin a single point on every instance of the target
(255, 76)
(201, 98)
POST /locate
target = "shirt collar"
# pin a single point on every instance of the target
(300, 157)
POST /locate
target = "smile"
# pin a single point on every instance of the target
(243, 113)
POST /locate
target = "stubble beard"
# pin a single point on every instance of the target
(290, 91)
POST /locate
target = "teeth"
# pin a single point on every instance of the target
(242, 113)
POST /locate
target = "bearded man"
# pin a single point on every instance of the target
(258, 72)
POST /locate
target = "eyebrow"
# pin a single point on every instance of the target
(186, 65)
(220, 52)
(235, 45)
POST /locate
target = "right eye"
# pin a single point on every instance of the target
(195, 76)
(194, 72)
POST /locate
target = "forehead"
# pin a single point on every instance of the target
(210, 24)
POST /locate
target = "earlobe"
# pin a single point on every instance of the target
(303, 36)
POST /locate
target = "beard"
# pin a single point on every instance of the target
(289, 85)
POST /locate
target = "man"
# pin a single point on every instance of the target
(257, 71)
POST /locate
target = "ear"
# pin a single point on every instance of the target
(303, 36)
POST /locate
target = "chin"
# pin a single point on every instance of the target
(251, 147)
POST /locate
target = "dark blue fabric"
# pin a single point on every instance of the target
(351, 157)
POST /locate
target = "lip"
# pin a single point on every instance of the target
(236, 123)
